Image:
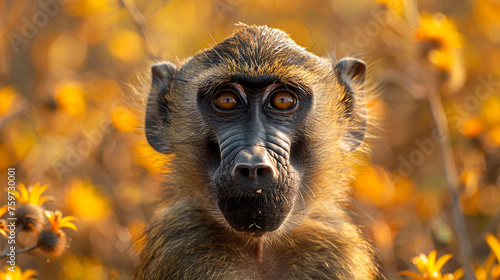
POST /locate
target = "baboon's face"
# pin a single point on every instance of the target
(253, 174)
(243, 120)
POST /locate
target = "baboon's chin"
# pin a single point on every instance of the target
(256, 215)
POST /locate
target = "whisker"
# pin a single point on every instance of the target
(314, 185)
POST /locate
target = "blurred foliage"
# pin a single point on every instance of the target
(73, 79)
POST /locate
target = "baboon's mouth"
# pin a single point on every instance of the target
(255, 214)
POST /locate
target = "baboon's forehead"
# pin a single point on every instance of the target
(255, 52)
(259, 50)
(257, 40)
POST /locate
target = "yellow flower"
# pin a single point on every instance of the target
(491, 119)
(57, 221)
(29, 214)
(126, 45)
(3, 225)
(85, 201)
(82, 267)
(17, 274)
(3, 228)
(31, 195)
(442, 44)
(430, 269)
(489, 267)
(8, 96)
(70, 97)
(489, 111)
(442, 58)
(383, 188)
(494, 245)
(438, 29)
(495, 249)
(53, 241)
(472, 127)
(3, 210)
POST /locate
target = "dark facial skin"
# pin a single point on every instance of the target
(254, 180)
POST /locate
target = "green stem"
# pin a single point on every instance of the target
(6, 249)
(20, 251)
(451, 175)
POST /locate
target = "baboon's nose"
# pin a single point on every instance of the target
(254, 164)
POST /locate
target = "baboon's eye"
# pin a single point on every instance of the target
(226, 100)
(283, 100)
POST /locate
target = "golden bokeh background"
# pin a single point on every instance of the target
(74, 75)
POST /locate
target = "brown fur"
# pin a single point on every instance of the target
(188, 238)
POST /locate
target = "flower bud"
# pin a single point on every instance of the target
(52, 242)
(29, 217)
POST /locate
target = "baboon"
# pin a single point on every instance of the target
(263, 135)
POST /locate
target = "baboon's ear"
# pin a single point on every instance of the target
(351, 74)
(157, 112)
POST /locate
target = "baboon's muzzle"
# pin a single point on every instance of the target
(254, 200)
(255, 213)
